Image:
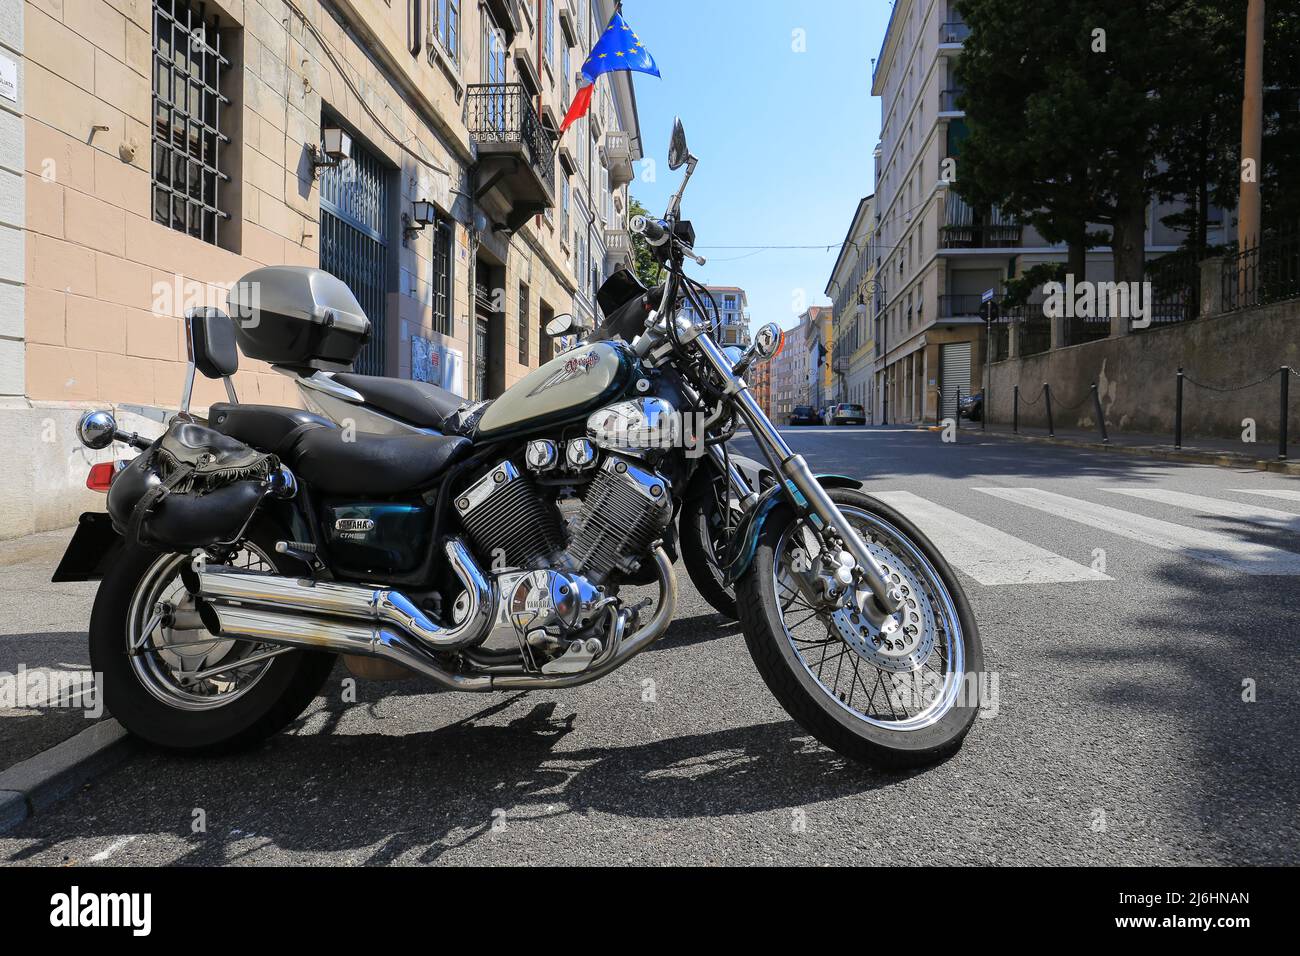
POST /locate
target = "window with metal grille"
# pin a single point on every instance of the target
(523, 325)
(355, 241)
(442, 260)
(189, 113)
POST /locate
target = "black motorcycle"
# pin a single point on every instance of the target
(491, 546)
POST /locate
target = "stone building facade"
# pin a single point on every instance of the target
(156, 151)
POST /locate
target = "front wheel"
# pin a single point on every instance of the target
(902, 695)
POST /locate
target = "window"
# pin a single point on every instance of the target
(494, 52)
(566, 73)
(523, 324)
(189, 114)
(441, 285)
(444, 22)
(564, 211)
(550, 33)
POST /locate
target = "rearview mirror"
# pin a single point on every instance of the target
(560, 325)
(678, 153)
(768, 342)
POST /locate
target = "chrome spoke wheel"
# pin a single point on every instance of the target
(172, 653)
(902, 675)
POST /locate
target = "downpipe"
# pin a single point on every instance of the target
(339, 619)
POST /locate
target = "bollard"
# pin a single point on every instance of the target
(1101, 418)
(1015, 410)
(1051, 426)
(1285, 372)
(1178, 410)
(957, 415)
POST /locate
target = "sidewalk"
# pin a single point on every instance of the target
(1223, 452)
(42, 635)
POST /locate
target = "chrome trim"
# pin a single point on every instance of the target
(223, 587)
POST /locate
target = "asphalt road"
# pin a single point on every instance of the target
(1121, 735)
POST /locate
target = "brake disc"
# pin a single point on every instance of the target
(905, 640)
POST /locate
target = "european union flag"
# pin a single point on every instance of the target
(619, 48)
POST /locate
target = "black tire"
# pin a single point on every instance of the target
(808, 702)
(697, 551)
(289, 684)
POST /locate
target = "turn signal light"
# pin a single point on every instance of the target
(101, 475)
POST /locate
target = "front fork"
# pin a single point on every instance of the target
(816, 503)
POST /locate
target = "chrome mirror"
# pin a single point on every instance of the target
(768, 342)
(97, 429)
(678, 153)
(560, 325)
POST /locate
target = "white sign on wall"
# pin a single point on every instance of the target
(8, 79)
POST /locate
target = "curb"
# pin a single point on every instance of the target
(51, 775)
(1220, 459)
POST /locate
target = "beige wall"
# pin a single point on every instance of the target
(99, 323)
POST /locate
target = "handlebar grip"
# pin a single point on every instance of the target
(654, 230)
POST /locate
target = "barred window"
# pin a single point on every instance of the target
(189, 114)
(444, 21)
(442, 260)
(523, 325)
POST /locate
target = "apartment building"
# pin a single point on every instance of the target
(790, 372)
(854, 291)
(819, 339)
(936, 254)
(162, 149)
(731, 316)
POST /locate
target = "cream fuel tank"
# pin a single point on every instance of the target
(564, 389)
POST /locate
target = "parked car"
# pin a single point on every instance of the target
(846, 414)
(972, 407)
(804, 415)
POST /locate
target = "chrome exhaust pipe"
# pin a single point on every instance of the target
(343, 635)
(220, 587)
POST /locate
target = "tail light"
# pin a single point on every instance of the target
(101, 475)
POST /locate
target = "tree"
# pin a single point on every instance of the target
(1082, 111)
(645, 264)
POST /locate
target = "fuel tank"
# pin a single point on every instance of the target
(566, 388)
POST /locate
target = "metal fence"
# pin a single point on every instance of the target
(503, 113)
(1265, 273)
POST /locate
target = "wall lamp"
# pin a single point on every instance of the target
(422, 214)
(335, 146)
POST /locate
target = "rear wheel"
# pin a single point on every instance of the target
(171, 682)
(703, 533)
(901, 695)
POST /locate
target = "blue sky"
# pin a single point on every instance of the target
(784, 138)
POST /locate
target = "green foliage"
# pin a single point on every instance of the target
(646, 266)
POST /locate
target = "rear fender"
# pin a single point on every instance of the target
(92, 550)
(745, 541)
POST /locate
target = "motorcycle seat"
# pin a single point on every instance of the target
(416, 403)
(373, 465)
(264, 427)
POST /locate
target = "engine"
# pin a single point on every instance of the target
(621, 508)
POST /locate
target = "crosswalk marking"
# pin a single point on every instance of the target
(1286, 494)
(1244, 556)
(1215, 507)
(990, 556)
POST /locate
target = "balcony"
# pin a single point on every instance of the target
(616, 154)
(960, 306)
(953, 33)
(514, 151)
(948, 103)
(618, 248)
(968, 228)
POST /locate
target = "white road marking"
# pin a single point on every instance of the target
(1215, 507)
(990, 556)
(1286, 494)
(108, 851)
(1221, 549)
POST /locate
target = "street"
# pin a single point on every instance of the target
(1140, 619)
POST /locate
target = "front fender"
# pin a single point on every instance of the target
(745, 541)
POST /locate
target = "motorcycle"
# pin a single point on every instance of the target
(492, 546)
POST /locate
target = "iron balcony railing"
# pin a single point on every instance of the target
(960, 306)
(503, 113)
(953, 31)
